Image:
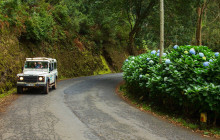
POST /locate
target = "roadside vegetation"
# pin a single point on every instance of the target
(186, 83)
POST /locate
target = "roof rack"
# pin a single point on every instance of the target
(41, 58)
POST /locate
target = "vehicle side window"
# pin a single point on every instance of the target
(55, 65)
(51, 67)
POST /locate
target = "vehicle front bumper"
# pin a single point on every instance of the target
(23, 84)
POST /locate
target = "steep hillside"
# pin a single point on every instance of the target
(74, 60)
(10, 61)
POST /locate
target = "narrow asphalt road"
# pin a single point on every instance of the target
(85, 108)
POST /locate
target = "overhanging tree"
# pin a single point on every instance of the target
(137, 11)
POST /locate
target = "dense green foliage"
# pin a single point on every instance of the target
(64, 20)
(211, 24)
(114, 22)
(10, 63)
(179, 27)
(187, 75)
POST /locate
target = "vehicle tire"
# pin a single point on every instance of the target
(46, 88)
(19, 89)
(55, 85)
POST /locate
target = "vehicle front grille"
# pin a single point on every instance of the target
(30, 79)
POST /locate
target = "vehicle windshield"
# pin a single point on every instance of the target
(36, 65)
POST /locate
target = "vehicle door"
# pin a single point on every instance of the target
(51, 73)
(55, 70)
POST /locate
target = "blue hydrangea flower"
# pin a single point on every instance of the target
(164, 54)
(126, 60)
(167, 61)
(175, 47)
(158, 54)
(211, 60)
(206, 64)
(201, 54)
(217, 54)
(158, 51)
(153, 52)
(140, 76)
(192, 51)
(151, 61)
(140, 57)
(148, 59)
(188, 45)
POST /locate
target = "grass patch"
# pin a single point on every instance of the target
(185, 123)
(171, 116)
(215, 131)
(62, 78)
(13, 90)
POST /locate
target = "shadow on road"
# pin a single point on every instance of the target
(33, 91)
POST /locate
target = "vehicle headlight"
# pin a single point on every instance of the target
(21, 78)
(41, 78)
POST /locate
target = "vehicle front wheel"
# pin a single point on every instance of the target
(19, 89)
(46, 89)
(55, 85)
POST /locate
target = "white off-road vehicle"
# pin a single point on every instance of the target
(38, 72)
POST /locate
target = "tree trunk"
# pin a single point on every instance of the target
(139, 21)
(199, 27)
(200, 11)
(132, 35)
(131, 43)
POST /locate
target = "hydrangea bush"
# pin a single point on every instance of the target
(188, 78)
(137, 69)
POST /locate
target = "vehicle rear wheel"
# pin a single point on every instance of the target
(46, 88)
(19, 89)
(55, 85)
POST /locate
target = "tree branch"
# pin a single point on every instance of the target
(128, 15)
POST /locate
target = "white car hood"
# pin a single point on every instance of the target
(35, 73)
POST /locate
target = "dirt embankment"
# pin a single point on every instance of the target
(6, 101)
